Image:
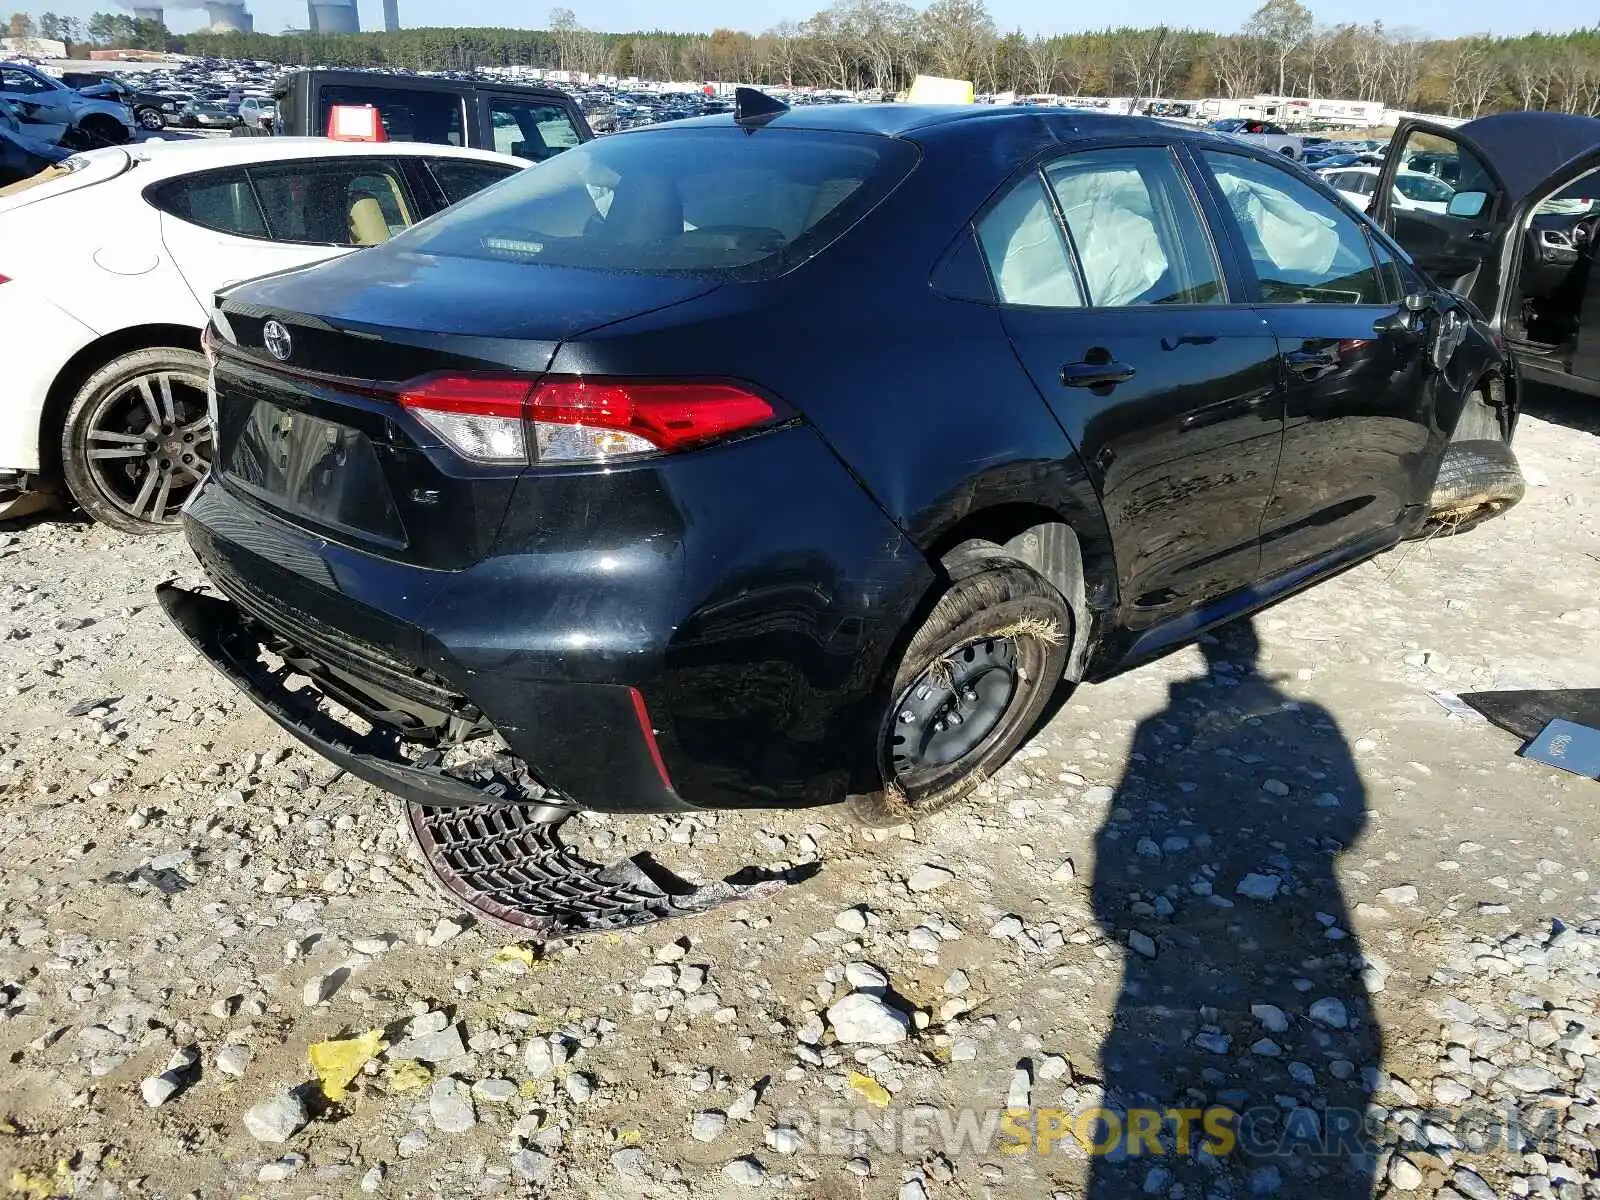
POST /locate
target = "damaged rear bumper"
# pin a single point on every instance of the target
(220, 632)
(490, 842)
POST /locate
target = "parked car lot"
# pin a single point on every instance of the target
(107, 396)
(57, 111)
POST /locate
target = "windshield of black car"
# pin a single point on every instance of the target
(708, 200)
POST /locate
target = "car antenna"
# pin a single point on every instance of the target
(752, 109)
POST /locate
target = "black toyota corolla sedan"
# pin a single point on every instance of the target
(780, 457)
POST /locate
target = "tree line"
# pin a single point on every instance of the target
(883, 44)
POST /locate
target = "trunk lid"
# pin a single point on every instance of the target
(308, 424)
(487, 305)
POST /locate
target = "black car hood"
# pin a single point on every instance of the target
(1527, 147)
(441, 294)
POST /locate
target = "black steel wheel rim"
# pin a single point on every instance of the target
(951, 710)
(149, 443)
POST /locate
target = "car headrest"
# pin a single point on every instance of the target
(367, 224)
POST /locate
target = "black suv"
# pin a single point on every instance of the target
(1519, 233)
(534, 123)
(780, 457)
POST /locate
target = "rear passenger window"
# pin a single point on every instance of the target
(459, 178)
(223, 201)
(1134, 227)
(1306, 249)
(531, 130)
(1026, 252)
(339, 202)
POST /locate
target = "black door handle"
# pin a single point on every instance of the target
(1478, 235)
(1096, 374)
(1309, 364)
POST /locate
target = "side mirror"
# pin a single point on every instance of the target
(1417, 302)
(1470, 205)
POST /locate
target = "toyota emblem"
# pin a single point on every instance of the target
(277, 340)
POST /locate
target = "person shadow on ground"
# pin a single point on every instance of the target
(1242, 1002)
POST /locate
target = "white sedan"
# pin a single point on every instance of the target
(1412, 189)
(107, 266)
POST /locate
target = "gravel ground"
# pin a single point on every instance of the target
(1270, 873)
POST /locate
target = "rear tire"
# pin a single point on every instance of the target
(1477, 480)
(1479, 477)
(137, 439)
(969, 689)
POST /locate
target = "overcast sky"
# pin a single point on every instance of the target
(1438, 17)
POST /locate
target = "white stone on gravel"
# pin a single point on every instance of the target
(1021, 1088)
(658, 976)
(851, 920)
(1006, 927)
(1258, 887)
(928, 877)
(158, 1089)
(276, 1119)
(630, 1162)
(532, 1166)
(439, 1047)
(1330, 1012)
(322, 987)
(495, 1091)
(862, 1018)
(1141, 943)
(743, 1108)
(233, 1059)
(707, 1126)
(1404, 894)
(450, 1106)
(579, 1087)
(746, 1172)
(411, 1144)
(1404, 1174)
(785, 1139)
(280, 1169)
(1529, 1079)
(372, 1180)
(865, 977)
(1273, 1019)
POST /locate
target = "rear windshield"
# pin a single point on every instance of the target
(706, 201)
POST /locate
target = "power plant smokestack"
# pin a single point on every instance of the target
(228, 16)
(391, 15)
(333, 16)
(142, 12)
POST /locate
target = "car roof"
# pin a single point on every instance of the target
(913, 120)
(199, 154)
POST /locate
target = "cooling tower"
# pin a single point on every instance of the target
(391, 15)
(228, 16)
(333, 16)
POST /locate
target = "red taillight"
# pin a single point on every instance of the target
(487, 417)
(482, 417)
(583, 419)
(5, 279)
